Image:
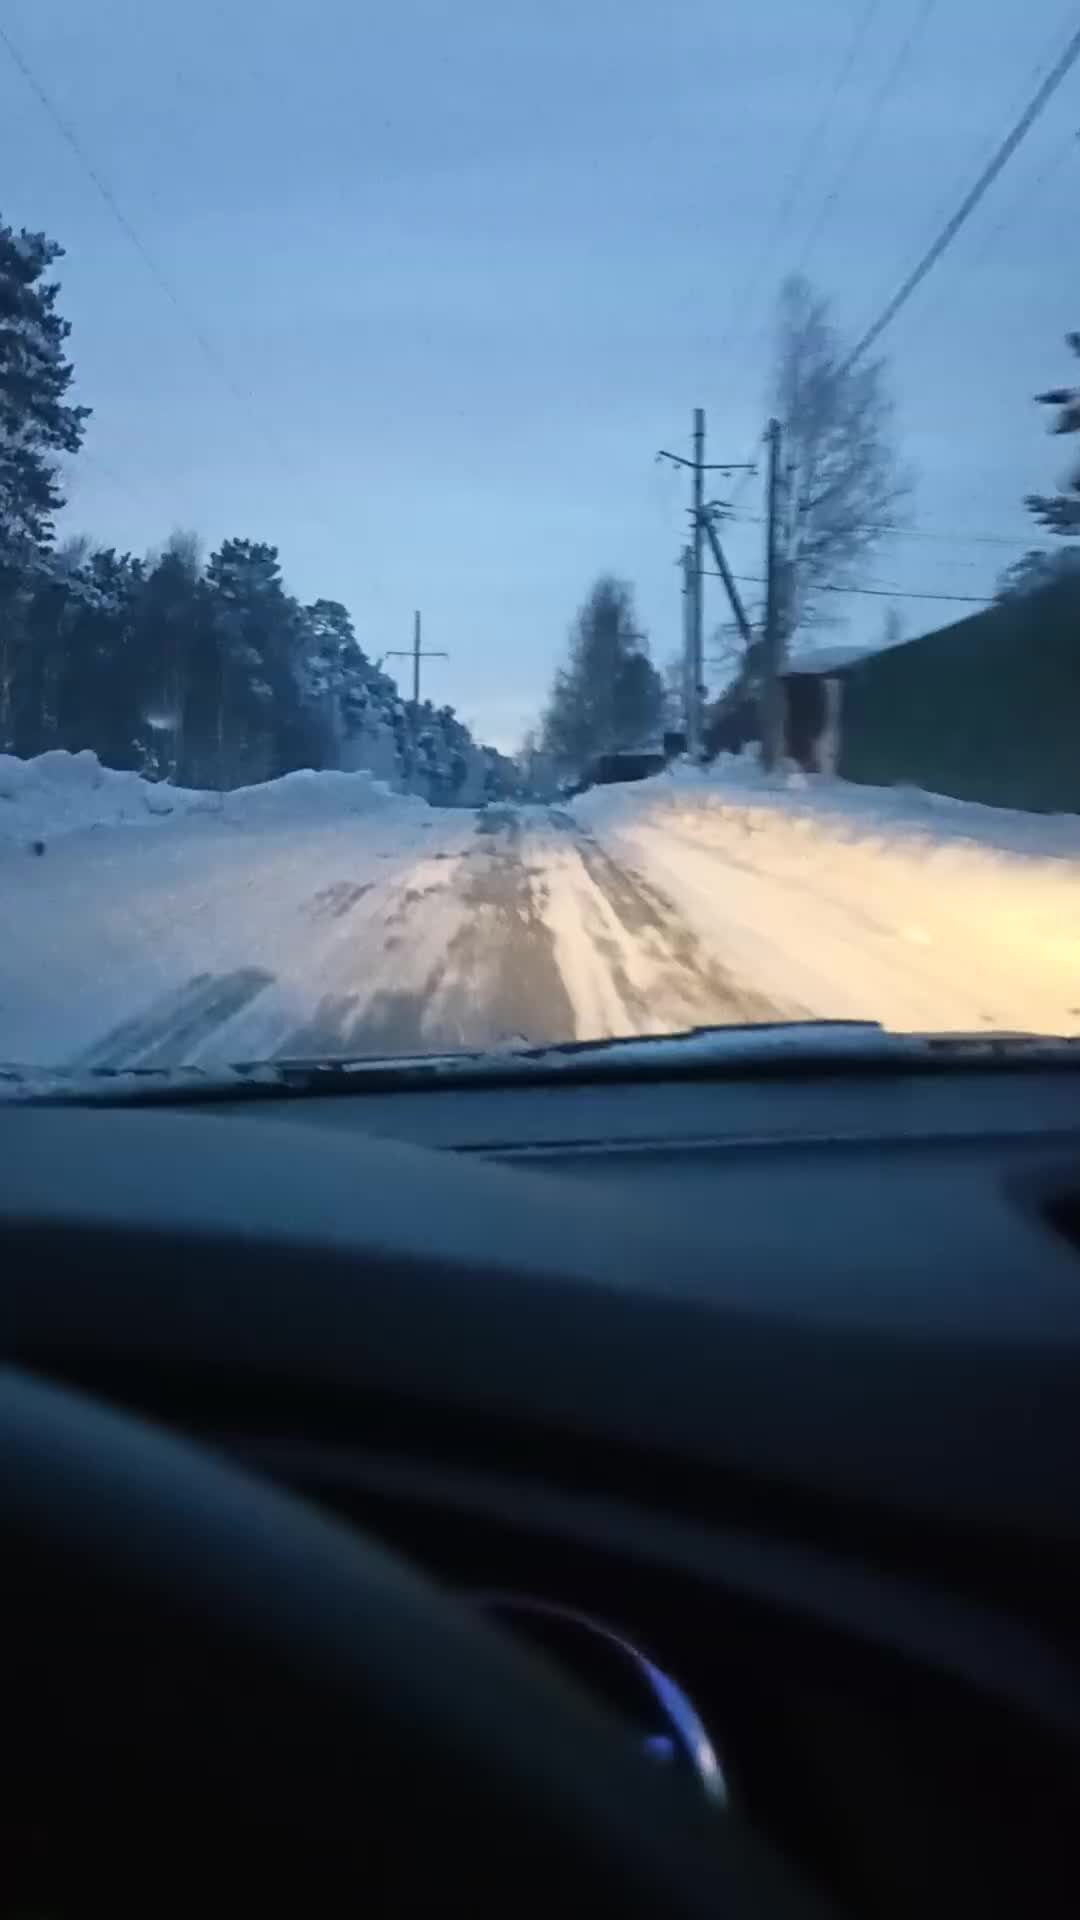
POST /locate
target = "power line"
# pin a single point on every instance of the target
(956, 539)
(1046, 89)
(915, 532)
(985, 146)
(884, 593)
(862, 27)
(748, 294)
(743, 480)
(967, 206)
(912, 593)
(1027, 194)
(1031, 187)
(868, 125)
(68, 134)
(984, 153)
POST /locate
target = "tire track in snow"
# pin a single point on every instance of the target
(632, 962)
(205, 945)
(495, 980)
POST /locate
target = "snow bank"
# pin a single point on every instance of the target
(862, 902)
(736, 781)
(59, 793)
(310, 796)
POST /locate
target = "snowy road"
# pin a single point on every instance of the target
(287, 923)
(203, 940)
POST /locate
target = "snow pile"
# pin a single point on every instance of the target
(307, 796)
(60, 792)
(920, 911)
(737, 782)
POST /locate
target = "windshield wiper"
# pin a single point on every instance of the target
(783, 1048)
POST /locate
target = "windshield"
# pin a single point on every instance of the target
(535, 523)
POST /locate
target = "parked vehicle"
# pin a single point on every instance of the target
(626, 763)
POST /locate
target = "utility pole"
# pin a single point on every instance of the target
(695, 576)
(687, 564)
(772, 691)
(746, 633)
(415, 653)
(697, 604)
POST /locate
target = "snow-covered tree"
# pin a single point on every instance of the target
(172, 660)
(102, 667)
(329, 659)
(37, 424)
(203, 674)
(257, 630)
(1037, 569)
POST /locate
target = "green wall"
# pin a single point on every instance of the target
(988, 709)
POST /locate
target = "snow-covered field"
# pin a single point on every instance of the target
(322, 914)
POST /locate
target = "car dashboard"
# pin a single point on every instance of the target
(806, 1523)
(905, 1743)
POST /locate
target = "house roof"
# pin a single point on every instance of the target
(828, 659)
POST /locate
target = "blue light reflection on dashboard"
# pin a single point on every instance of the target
(686, 1737)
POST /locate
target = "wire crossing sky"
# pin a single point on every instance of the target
(461, 271)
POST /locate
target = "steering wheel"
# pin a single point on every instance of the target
(216, 1692)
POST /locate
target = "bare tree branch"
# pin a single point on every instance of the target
(843, 477)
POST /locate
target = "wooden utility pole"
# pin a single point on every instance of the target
(687, 563)
(697, 603)
(772, 665)
(746, 633)
(415, 653)
(694, 579)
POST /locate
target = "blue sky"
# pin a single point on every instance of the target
(461, 270)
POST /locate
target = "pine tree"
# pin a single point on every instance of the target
(609, 695)
(100, 679)
(36, 426)
(174, 667)
(257, 628)
(208, 676)
(329, 668)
